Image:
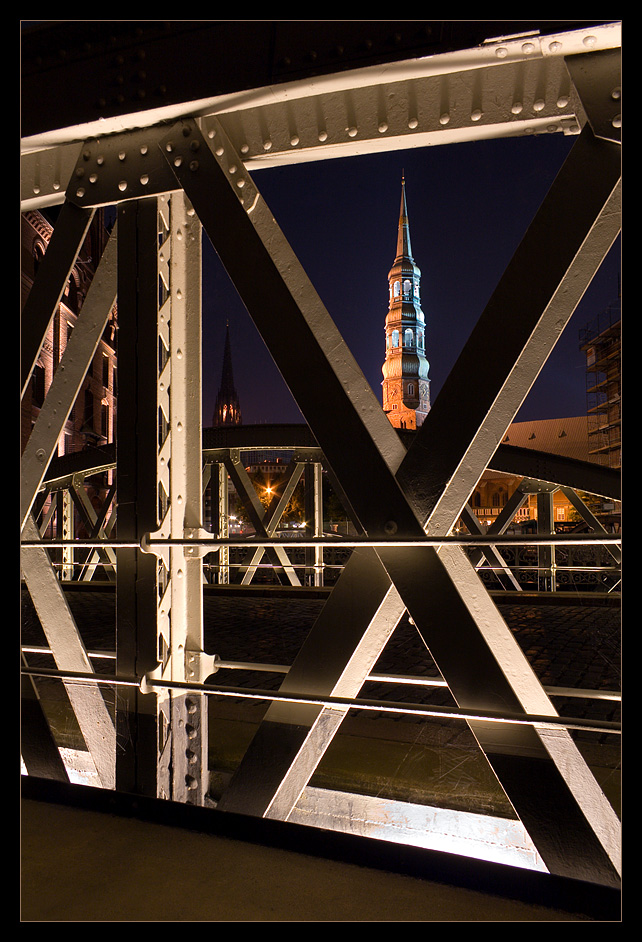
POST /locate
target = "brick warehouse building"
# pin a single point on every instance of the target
(91, 421)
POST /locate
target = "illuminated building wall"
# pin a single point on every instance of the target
(92, 419)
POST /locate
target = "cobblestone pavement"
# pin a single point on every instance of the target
(568, 644)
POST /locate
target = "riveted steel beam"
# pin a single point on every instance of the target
(479, 630)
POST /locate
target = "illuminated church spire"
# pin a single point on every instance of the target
(227, 410)
(406, 387)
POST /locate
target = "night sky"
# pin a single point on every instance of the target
(469, 205)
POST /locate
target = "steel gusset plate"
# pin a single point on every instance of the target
(408, 494)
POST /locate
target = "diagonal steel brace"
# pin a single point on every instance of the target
(431, 485)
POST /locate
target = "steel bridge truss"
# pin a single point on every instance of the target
(168, 180)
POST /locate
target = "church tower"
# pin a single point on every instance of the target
(406, 387)
(227, 410)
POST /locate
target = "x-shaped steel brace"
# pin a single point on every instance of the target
(265, 521)
(423, 491)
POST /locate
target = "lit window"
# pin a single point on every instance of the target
(395, 338)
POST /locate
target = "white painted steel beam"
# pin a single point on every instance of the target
(506, 86)
(183, 719)
(63, 638)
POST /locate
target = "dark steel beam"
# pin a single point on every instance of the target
(136, 645)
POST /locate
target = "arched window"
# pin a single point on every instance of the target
(396, 289)
(38, 255)
(395, 338)
(407, 338)
(407, 285)
(411, 389)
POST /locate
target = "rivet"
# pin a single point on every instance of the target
(240, 183)
(444, 118)
(413, 123)
(100, 160)
(589, 40)
(143, 149)
(267, 145)
(616, 94)
(562, 101)
(245, 149)
(122, 155)
(555, 45)
(390, 527)
(501, 52)
(193, 165)
(352, 132)
(122, 186)
(527, 48)
(323, 136)
(219, 151)
(383, 127)
(232, 168)
(517, 107)
(476, 115)
(617, 121)
(41, 454)
(93, 177)
(144, 179)
(80, 192)
(294, 140)
(178, 161)
(538, 105)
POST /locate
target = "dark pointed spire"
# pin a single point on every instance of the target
(227, 410)
(403, 234)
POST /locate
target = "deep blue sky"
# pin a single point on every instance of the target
(469, 206)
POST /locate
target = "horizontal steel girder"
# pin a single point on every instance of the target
(504, 87)
(423, 488)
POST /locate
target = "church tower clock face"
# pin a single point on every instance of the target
(406, 387)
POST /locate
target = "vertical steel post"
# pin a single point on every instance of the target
(136, 446)
(66, 511)
(182, 720)
(223, 527)
(546, 554)
(313, 523)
